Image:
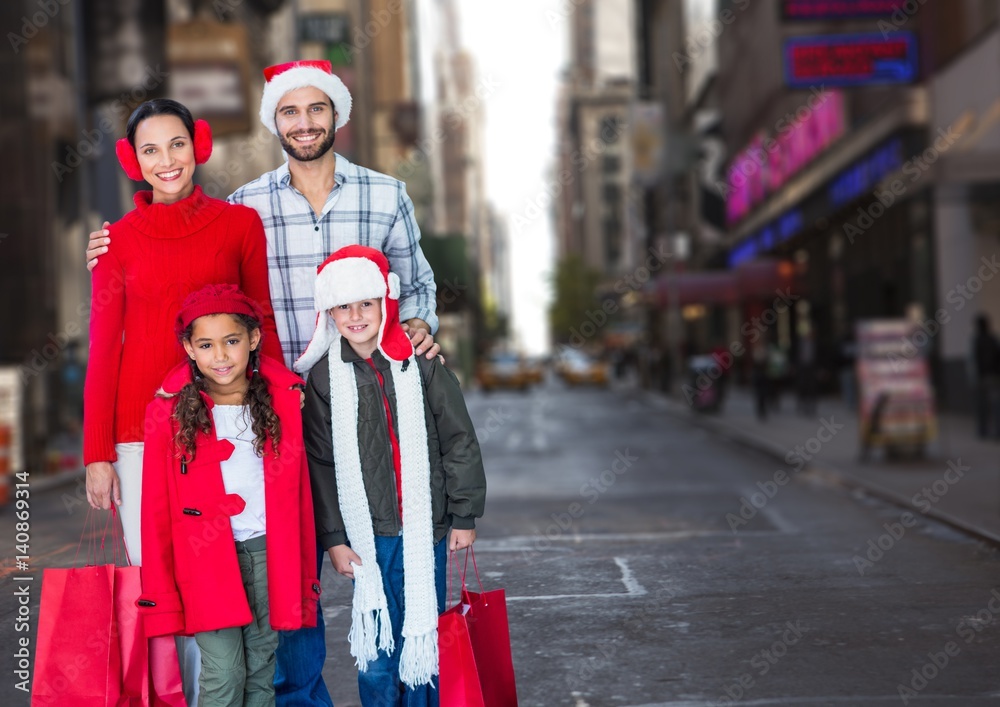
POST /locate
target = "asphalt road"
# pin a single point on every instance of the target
(647, 563)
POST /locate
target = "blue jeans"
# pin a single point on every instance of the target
(379, 686)
(298, 677)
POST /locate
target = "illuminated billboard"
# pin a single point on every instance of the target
(850, 59)
(837, 9)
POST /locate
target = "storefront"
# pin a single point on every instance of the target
(855, 224)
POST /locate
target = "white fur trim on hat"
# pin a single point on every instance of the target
(300, 77)
(348, 280)
(393, 282)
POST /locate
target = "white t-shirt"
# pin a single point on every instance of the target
(243, 472)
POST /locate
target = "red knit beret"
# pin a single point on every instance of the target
(215, 299)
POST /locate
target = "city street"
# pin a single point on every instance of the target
(647, 562)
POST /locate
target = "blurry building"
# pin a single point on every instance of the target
(593, 211)
(463, 239)
(965, 222)
(593, 156)
(855, 139)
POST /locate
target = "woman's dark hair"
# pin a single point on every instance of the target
(191, 412)
(158, 106)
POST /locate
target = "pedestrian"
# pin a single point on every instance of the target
(984, 370)
(225, 499)
(394, 461)
(761, 380)
(847, 360)
(806, 375)
(316, 202)
(777, 373)
(176, 240)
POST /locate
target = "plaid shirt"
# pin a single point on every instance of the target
(364, 207)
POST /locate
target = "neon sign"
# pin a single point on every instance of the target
(850, 60)
(837, 9)
(775, 233)
(767, 163)
(861, 177)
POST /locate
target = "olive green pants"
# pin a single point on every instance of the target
(237, 664)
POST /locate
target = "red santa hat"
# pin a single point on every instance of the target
(351, 274)
(282, 78)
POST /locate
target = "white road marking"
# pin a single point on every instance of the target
(552, 597)
(632, 588)
(632, 585)
(535, 542)
(779, 521)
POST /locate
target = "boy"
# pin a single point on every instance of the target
(394, 461)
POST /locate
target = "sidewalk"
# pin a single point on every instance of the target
(958, 480)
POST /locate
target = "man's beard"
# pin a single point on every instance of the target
(310, 153)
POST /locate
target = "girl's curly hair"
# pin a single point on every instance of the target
(191, 413)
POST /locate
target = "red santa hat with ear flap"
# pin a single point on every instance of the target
(352, 274)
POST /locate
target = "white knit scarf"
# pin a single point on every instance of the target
(371, 629)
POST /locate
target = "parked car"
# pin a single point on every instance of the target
(503, 370)
(577, 368)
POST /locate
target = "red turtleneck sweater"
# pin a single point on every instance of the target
(160, 253)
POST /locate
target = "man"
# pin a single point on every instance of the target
(315, 203)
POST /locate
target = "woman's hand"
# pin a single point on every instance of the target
(98, 245)
(103, 486)
(461, 539)
(342, 556)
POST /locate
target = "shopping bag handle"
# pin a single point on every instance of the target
(90, 528)
(464, 571)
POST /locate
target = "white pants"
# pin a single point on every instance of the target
(129, 469)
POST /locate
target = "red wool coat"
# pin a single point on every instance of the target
(190, 574)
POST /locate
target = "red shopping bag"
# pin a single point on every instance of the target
(77, 662)
(151, 674)
(132, 643)
(166, 689)
(458, 676)
(490, 635)
(478, 625)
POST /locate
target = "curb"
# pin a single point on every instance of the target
(676, 410)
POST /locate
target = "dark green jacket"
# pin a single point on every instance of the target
(458, 481)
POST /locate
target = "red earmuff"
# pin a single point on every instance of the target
(202, 150)
(202, 141)
(128, 160)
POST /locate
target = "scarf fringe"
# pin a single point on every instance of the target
(418, 662)
(370, 632)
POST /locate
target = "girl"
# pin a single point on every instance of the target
(228, 523)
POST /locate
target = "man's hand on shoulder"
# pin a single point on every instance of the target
(98, 245)
(419, 332)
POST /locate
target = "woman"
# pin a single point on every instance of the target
(174, 242)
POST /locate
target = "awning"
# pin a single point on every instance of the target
(755, 279)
